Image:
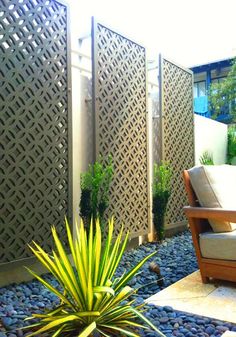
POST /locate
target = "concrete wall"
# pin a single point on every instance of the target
(82, 117)
(82, 124)
(210, 136)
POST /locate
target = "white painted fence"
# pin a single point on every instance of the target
(210, 136)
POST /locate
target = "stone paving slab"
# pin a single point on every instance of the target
(214, 300)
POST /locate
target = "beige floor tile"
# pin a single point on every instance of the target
(229, 334)
(191, 295)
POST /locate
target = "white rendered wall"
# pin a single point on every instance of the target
(82, 128)
(210, 136)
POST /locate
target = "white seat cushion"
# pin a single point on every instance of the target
(215, 187)
(220, 246)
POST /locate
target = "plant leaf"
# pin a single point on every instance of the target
(123, 281)
(63, 256)
(104, 289)
(116, 328)
(88, 330)
(58, 331)
(117, 261)
(97, 251)
(103, 333)
(67, 281)
(51, 288)
(140, 315)
(105, 254)
(70, 240)
(54, 324)
(90, 254)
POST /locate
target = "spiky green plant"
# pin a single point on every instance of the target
(206, 158)
(92, 300)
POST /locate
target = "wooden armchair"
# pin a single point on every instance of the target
(197, 217)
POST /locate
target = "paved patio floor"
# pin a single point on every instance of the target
(215, 300)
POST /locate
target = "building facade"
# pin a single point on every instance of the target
(204, 75)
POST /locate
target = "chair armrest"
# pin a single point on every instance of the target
(210, 213)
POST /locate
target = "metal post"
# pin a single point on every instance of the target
(208, 83)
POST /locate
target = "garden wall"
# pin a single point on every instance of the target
(82, 128)
(210, 136)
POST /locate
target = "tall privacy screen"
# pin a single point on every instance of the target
(177, 129)
(34, 124)
(119, 96)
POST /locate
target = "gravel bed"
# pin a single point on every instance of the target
(175, 258)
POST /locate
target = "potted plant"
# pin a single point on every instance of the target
(161, 193)
(93, 302)
(95, 185)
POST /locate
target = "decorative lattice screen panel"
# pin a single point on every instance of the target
(154, 109)
(177, 131)
(34, 119)
(119, 73)
(156, 140)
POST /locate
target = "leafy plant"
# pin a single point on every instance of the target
(206, 158)
(222, 95)
(231, 146)
(95, 184)
(92, 300)
(161, 193)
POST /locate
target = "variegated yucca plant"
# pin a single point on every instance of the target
(92, 302)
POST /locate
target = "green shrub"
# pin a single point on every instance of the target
(161, 193)
(92, 300)
(231, 146)
(95, 184)
(222, 95)
(206, 158)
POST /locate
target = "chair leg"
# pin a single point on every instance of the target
(205, 279)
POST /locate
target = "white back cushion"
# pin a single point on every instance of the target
(215, 187)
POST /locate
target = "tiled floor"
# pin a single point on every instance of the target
(215, 300)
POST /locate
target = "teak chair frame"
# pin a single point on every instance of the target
(197, 217)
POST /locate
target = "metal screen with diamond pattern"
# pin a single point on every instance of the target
(177, 131)
(34, 124)
(119, 73)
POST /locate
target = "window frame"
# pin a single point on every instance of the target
(198, 89)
